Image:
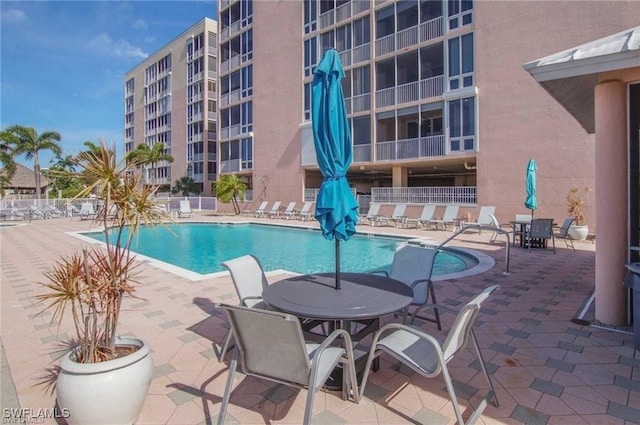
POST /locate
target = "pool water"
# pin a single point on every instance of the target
(202, 247)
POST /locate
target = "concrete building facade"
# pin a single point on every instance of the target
(171, 98)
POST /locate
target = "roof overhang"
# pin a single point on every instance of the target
(570, 76)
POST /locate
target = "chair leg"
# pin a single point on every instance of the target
(434, 304)
(484, 368)
(227, 345)
(228, 389)
(452, 394)
(308, 409)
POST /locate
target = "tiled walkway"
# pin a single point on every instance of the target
(547, 369)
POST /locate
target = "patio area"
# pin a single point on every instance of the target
(546, 368)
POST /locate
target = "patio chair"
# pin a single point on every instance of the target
(563, 232)
(261, 210)
(450, 216)
(496, 224)
(540, 230)
(185, 209)
(413, 266)
(427, 214)
(520, 228)
(398, 216)
(305, 212)
(484, 217)
(290, 211)
(373, 214)
(275, 210)
(86, 211)
(270, 345)
(249, 280)
(424, 354)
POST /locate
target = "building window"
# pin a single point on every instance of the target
(307, 101)
(310, 56)
(462, 124)
(310, 16)
(461, 62)
(246, 152)
(385, 23)
(407, 14)
(361, 34)
(459, 13)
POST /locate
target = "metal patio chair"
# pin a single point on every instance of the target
(563, 232)
(427, 356)
(270, 345)
(540, 230)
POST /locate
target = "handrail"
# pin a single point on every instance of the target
(466, 227)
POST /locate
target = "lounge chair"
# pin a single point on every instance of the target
(496, 224)
(563, 232)
(450, 217)
(424, 354)
(413, 265)
(425, 217)
(539, 232)
(484, 217)
(261, 210)
(270, 345)
(86, 211)
(275, 210)
(373, 214)
(398, 216)
(290, 211)
(305, 212)
(185, 209)
(50, 211)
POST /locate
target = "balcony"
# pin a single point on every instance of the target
(410, 92)
(230, 31)
(423, 147)
(444, 195)
(410, 37)
(362, 153)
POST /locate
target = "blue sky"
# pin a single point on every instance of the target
(63, 63)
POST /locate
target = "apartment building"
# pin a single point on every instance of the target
(440, 107)
(171, 98)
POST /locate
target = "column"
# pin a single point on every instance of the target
(399, 177)
(611, 201)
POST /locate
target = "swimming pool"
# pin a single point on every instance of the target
(202, 247)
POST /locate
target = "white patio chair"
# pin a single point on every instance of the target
(373, 215)
(185, 209)
(290, 211)
(450, 217)
(261, 210)
(413, 266)
(398, 216)
(427, 356)
(425, 216)
(305, 212)
(563, 232)
(86, 211)
(275, 210)
(270, 345)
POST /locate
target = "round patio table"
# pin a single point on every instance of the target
(361, 296)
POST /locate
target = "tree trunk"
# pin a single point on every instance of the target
(36, 171)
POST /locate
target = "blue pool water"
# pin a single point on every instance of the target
(201, 247)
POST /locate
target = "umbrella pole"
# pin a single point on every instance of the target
(337, 251)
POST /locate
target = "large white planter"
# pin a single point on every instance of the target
(110, 392)
(578, 233)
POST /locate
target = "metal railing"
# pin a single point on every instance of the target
(479, 227)
(443, 195)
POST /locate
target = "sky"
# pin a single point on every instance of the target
(62, 63)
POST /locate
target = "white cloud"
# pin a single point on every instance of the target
(140, 24)
(13, 15)
(119, 48)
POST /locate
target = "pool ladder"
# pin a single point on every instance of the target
(480, 227)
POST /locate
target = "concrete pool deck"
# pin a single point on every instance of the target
(546, 369)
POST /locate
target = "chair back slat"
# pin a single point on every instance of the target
(411, 263)
(427, 212)
(565, 227)
(541, 228)
(484, 216)
(248, 278)
(450, 212)
(270, 344)
(374, 209)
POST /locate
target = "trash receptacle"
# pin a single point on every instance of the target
(632, 281)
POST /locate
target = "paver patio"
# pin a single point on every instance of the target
(546, 369)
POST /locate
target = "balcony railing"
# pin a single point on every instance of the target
(444, 195)
(410, 92)
(410, 36)
(424, 147)
(310, 195)
(362, 153)
(230, 166)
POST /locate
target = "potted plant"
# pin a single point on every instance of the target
(104, 378)
(575, 201)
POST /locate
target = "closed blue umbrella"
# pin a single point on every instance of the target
(531, 202)
(336, 208)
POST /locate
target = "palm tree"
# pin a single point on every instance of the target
(92, 147)
(143, 154)
(29, 143)
(7, 147)
(228, 188)
(185, 185)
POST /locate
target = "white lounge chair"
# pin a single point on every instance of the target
(261, 210)
(398, 216)
(86, 211)
(305, 212)
(185, 209)
(275, 210)
(450, 217)
(373, 213)
(290, 211)
(425, 217)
